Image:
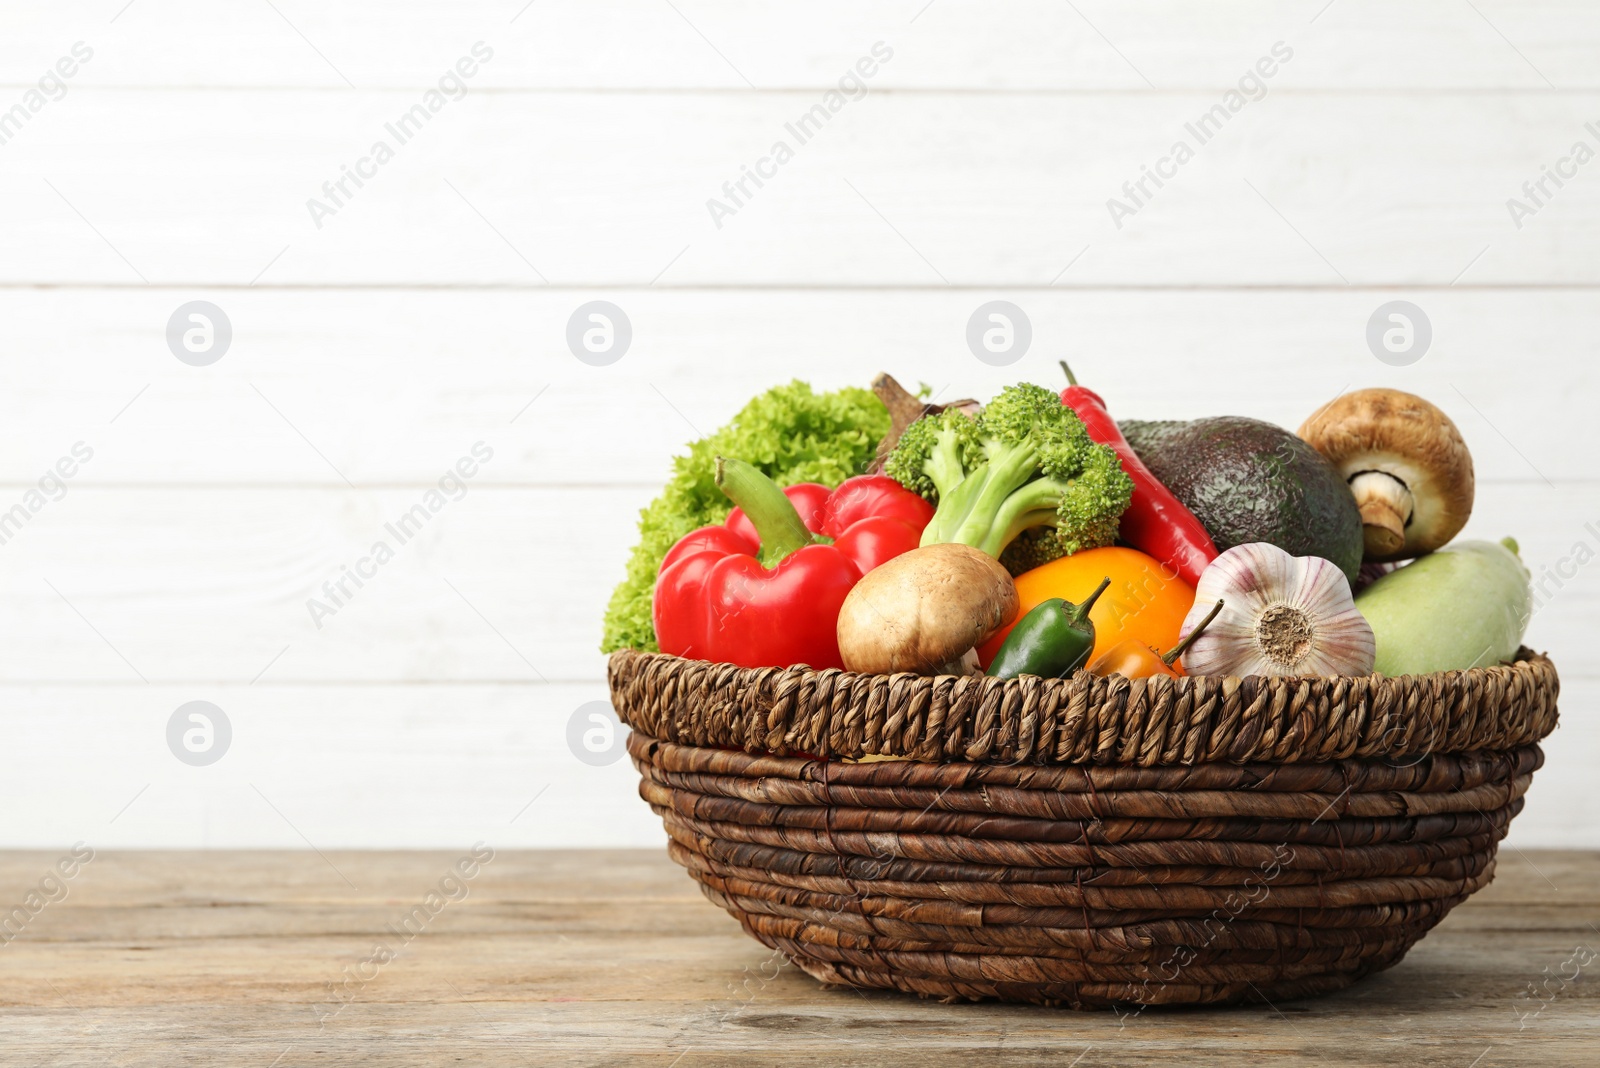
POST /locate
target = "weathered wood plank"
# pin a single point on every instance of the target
(394, 387)
(586, 190)
(591, 958)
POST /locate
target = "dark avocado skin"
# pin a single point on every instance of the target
(1150, 435)
(1247, 480)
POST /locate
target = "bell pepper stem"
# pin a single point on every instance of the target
(777, 523)
(1072, 379)
(1179, 649)
(1080, 612)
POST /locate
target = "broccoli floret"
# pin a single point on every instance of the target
(934, 453)
(1027, 463)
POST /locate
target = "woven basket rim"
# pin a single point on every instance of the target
(1085, 719)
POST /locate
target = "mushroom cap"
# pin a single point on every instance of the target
(924, 609)
(1401, 435)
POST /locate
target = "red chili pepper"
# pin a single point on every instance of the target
(1156, 522)
(762, 589)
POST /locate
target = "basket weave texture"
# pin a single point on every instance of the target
(1088, 841)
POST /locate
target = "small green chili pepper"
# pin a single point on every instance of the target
(1052, 641)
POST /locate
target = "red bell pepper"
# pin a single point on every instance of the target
(1156, 522)
(764, 588)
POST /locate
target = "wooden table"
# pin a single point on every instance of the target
(597, 958)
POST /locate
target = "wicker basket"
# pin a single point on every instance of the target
(1088, 841)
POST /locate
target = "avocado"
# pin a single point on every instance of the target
(1247, 481)
(1149, 435)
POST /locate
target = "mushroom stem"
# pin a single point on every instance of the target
(965, 664)
(1386, 505)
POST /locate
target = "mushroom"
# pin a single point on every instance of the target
(925, 611)
(1406, 464)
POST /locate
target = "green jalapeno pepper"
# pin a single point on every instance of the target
(1052, 641)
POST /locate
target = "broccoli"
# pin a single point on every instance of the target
(1032, 548)
(1026, 463)
(934, 453)
(792, 434)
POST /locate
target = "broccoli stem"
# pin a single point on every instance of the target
(1035, 504)
(954, 507)
(944, 465)
(769, 510)
(1005, 474)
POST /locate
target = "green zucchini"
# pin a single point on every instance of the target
(1464, 606)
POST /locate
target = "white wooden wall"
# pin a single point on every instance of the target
(371, 353)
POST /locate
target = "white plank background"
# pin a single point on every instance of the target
(423, 317)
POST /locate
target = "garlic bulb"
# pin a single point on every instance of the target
(1282, 615)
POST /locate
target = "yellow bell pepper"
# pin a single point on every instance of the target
(1146, 600)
